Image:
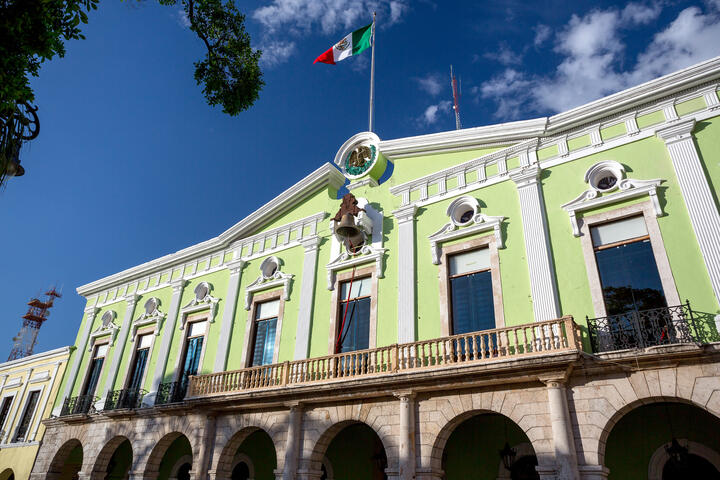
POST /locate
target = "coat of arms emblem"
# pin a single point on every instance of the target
(342, 44)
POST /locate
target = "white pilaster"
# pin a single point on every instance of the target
(697, 195)
(405, 217)
(292, 447)
(90, 313)
(307, 297)
(131, 301)
(565, 456)
(407, 436)
(168, 331)
(228, 318)
(537, 244)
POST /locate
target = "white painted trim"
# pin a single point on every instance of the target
(200, 304)
(103, 330)
(307, 297)
(157, 316)
(449, 231)
(405, 217)
(34, 416)
(325, 176)
(228, 319)
(278, 279)
(628, 188)
(9, 420)
(33, 358)
(90, 314)
(130, 303)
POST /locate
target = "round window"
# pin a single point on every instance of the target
(462, 211)
(466, 216)
(606, 182)
(269, 267)
(605, 176)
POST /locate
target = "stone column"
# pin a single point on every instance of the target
(405, 217)
(406, 464)
(228, 318)
(90, 313)
(543, 287)
(120, 342)
(697, 195)
(292, 446)
(307, 296)
(207, 445)
(168, 331)
(593, 472)
(563, 438)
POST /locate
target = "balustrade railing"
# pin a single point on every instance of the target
(125, 398)
(78, 405)
(643, 328)
(488, 345)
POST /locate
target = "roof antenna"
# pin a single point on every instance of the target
(456, 98)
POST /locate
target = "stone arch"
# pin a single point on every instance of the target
(441, 439)
(320, 425)
(242, 458)
(660, 457)
(102, 460)
(7, 474)
(232, 430)
(155, 434)
(152, 464)
(226, 460)
(323, 442)
(184, 460)
(621, 412)
(57, 464)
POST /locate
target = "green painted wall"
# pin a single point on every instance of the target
(177, 449)
(612, 132)
(351, 453)
(410, 168)
(261, 450)
(627, 454)
(472, 449)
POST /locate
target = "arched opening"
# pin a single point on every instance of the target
(114, 460)
(67, 461)
(248, 455)
(171, 459)
(476, 445)
(7, 474)
(355, 453)
(640, 445)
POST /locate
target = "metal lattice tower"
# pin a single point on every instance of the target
(456, 98)
(37, 313)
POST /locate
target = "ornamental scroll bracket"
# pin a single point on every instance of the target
(152, 314)
(107, 327)
(202, 300)
(451, 231)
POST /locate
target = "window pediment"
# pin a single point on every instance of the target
(202, 300)
(107, 327)
(152, 314)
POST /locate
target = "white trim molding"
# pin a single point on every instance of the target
(202, 300)
(107, 327)
(627, 188)
(226, 326)
(450, 231)
(277, 279)
(152, 314)
(405, 217)
(367, 254)
(307, 297)
(697, 194)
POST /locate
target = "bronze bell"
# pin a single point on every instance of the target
(347, 228)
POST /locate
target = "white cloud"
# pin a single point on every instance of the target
(593, 59)
(433, 112)
(542, 33)
(333, 16)
(431, 84)
(183, 19)
(275, 53)
(504, 55)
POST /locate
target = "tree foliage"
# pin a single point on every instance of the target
(33, 31)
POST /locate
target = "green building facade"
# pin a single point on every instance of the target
(524, 300)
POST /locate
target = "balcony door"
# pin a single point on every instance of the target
(193, 351)
(96, 364)
(353, 331)
(137, 372)
(626, 264)
(471, 291)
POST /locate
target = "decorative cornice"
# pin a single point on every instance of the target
(178, 285)
(325, 176)
(367, 254)
(405, 214)
(311, 243)
(526, 177)
(628, 188)
(676, 132)
(450, 231)
(62, 351)
(236, 266)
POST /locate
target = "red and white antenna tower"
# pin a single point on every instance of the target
(456, 98)
(37, 313)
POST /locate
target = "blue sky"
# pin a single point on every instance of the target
(131, 164)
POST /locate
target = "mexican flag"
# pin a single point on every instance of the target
(353, 44)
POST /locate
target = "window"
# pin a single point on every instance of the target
(353, 332)
(137, 372)
(626, 264)
(4, 409)
(96, 365)
(471, 291)
(193, 350)
(265, 327)
(27, 416)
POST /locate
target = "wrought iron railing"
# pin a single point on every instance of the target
(643, 328)
(125, 398)
(171, 392)
(78, 405)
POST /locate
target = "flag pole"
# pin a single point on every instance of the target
(372, 76)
